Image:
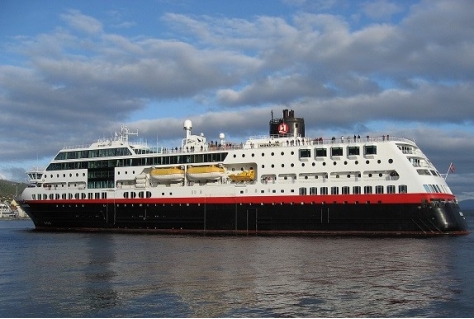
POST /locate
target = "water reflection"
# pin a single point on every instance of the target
(98, 273)
(312, 277)
(117, 275)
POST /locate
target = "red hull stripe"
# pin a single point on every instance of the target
(269, 200)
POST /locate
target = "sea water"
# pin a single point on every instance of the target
(47, 274)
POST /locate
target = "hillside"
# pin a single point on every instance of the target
(8, 189)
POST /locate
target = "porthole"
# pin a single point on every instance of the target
(356, 162)
(253, 155)
(314, 164)
(292, 153)
(367, 162)
(263, 166)
(292, 165)
(380, 174)
(273, 166)
(282, 165)
(335, 163)
(370, 175)
(390, 161)
(243, 155)
(379, 161)
(273, 154)
(302, 164)
(282, 153)
(345, 162)
(263, 154)
(324, 163)
(235, 155)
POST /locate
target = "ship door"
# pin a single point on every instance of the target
(251, 220)
(110, 214)
(324, 215)
(247, 220)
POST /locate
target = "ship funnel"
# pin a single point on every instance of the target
(287, 126)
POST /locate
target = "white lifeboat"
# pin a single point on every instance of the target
(205, 173)
(167, 174)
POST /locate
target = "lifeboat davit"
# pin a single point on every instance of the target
(205, 173)
(167, 174)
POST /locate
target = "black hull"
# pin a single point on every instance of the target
(277, 219)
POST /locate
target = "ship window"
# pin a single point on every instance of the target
(370, 150)
(321, 152)
(402, 189)
(305, 153)
(423, 172)
(141, 194)
(334, 190)
(353, 150)
(148, 194)
(313, 190)
(336, 151)
(302, 190)
(345, 190)
(356, 190)
(379, 189)
(324, 190)
(391, 189)
(367, 189)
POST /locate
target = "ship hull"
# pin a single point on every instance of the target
(260, 219)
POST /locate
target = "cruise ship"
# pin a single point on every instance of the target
(281, 183)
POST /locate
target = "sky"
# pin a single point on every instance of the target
(72, 72)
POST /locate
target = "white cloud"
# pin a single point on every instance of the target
(82, 22)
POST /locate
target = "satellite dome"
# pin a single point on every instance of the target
(188, 125)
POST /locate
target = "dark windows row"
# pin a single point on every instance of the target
(102, 195)
(142, 161)
(357, 190)
(105, 152)
(351, 151)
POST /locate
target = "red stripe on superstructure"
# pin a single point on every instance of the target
(287, 199)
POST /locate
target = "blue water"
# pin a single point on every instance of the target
(130, 275)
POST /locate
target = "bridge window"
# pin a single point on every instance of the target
(304, 153)
(336, 151)
(321, 152)
(354, 150)
(370, 150)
